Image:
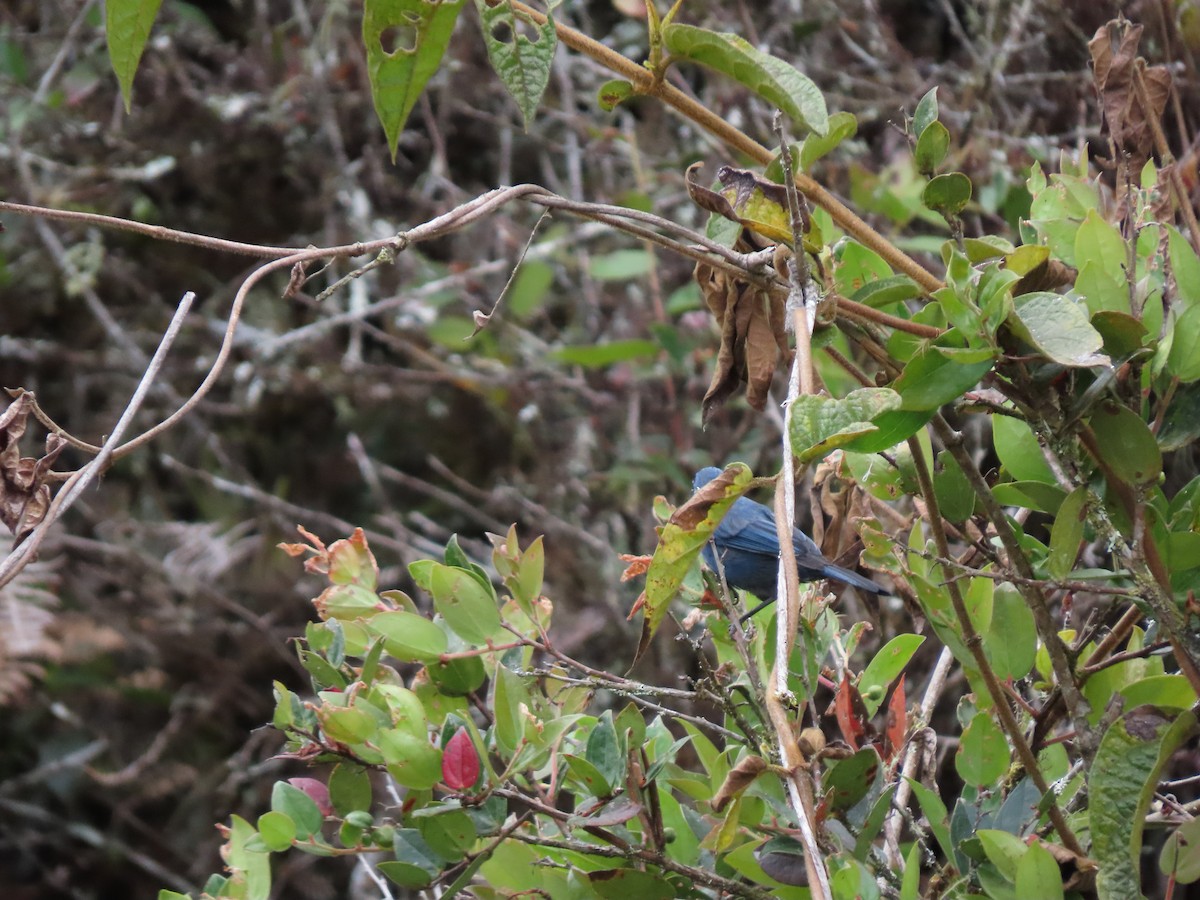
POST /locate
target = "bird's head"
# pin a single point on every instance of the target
(704, 476)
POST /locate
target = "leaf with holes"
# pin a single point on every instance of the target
(819, 425)
(405, 41)
(522, 63)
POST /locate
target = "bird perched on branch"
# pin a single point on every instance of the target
(748, 545)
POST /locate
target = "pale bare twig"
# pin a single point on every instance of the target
(75, 487)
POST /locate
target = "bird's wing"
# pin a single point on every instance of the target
(750, 527)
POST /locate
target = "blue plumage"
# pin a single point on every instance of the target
(749, 548)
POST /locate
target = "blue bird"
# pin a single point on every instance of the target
(749, 548)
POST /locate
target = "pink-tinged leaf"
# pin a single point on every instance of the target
(316, 791)
(460, 762)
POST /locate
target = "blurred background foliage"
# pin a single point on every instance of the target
(135, 658)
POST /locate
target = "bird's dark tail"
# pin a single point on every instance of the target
(837, 573)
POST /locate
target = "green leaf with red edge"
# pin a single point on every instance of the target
(460, 762)
(127, 25)
(351, 562)
(681, 540)
(417, 32)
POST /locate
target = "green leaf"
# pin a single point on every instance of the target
(983, 755)
(621, 265)
(1101, 255)
(842, 125)
(1059, 328)
(249, 868)
(926, 112)
(127, 25)
(931, 148)
(408, 636)
(349, 788)
(857, 267)
(531, 570)
(410, 758)
(589, 778)
(1180, 857)
(1005, 851)
(891, 429)
(911, 884)
(467, 606)
(277, 830)
(947, 194)
(622, 884)
(1185, 266)
(819, 425)
(883, 668)
(1121, 783)
(297, 806)
(347, 724)
(522, 64)
(1019, 451)
(1127, 443)
(1067, 533)
(604, 750)
(611, 93)
(935, 812)
(406, 875)
(417, 34)
(882, 292)
(930, 380)
(597, 356)
(1183, 361)
(955, 496)
(771, 78)
(1011, 639)
(1164, 691)
(450, 833)
(508, 696)
(848, 780)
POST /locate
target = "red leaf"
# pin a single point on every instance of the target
(460, 762)
(897, 722)
(851, 725)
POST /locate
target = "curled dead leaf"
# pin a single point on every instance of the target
(1114, 66)
(24, 491)
(739, 778)
(753, 337)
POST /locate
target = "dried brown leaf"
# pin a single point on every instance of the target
(752, 337)
(1114, 62)
(24, 493)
